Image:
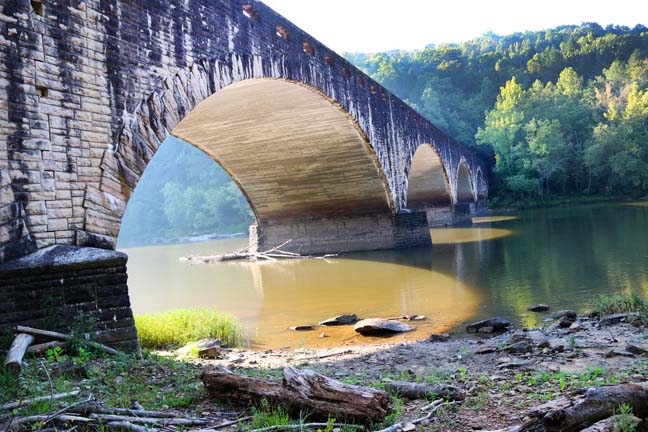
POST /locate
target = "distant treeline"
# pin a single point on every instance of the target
(183, 193)
(557, 112)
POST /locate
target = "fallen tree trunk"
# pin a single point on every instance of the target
(16, 352)
(303, 392)
(418, 391)
(578, 410)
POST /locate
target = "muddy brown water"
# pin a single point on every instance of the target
(498, 266)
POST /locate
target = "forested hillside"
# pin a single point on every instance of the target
(556, 112)
(183, 193)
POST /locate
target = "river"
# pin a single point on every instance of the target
(564, 257)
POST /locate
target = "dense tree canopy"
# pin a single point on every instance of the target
(556, 112)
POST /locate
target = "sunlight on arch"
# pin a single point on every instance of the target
(427, 180)
(464, 185)
(292, 151)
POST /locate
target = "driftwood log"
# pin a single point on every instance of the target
(43, 347)
(419, 391)
(579, 410)
(301, 391)
(25, 402)
(63, 336)
(16, 352)
(572, 413)
(611, 423)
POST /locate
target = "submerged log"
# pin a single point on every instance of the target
(17, 351)
(270, 255)
(301, 391)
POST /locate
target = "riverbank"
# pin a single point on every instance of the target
(501, 376)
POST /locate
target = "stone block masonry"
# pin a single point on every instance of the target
(51, 288)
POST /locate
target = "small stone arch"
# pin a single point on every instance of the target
(464, 190)
(427, 180)
(482, 186)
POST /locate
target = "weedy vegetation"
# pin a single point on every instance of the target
(177, 327)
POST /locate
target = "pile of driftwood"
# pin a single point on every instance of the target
(24, 343)
(273, 254)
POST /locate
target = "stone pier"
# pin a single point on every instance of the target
(343, 233)
(55, 286)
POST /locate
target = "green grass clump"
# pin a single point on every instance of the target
(177, 327)
(620, 303)
(267, 415)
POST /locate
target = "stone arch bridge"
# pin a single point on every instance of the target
(326, 156)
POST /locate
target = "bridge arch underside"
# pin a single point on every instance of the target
(465, 194)
(427, 180)
(309, 174)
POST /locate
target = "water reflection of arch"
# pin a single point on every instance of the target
(381, 283)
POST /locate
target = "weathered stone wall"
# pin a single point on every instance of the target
(89, 89)
(52, 287)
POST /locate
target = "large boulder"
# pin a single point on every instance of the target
(380, 327)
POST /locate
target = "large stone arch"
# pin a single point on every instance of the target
(293, 152)
(428, 184)
(298, 157)
(92, 89)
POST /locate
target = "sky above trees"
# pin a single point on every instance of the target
(373, 26)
